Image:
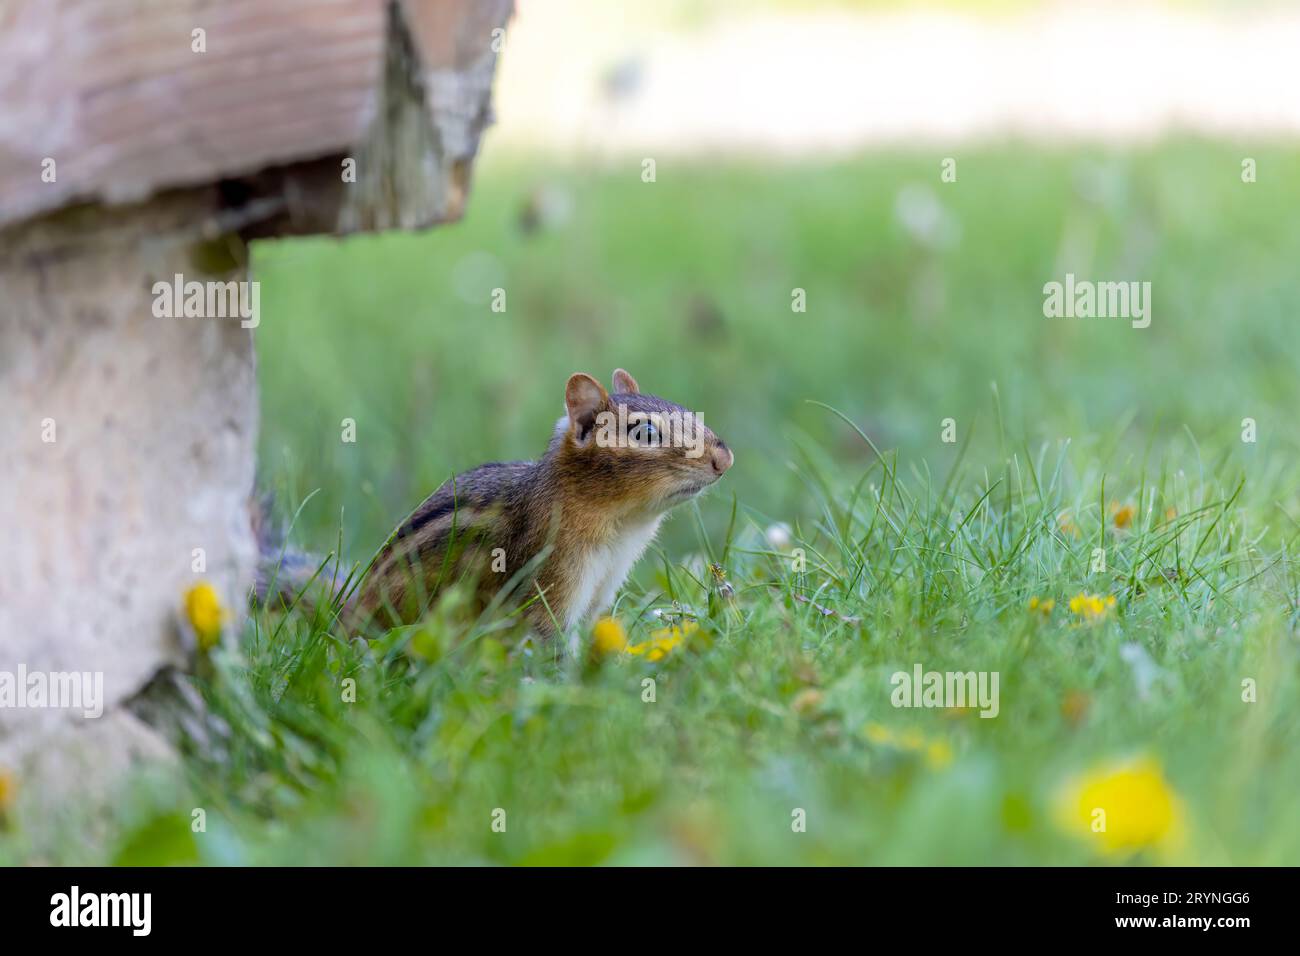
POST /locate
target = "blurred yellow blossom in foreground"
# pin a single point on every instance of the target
(1043, 607)
(8, 790)
(608, 636)
(663, 641)
(1125, 807)
(206, 615)
(1091, 607)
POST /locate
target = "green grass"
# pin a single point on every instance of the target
(925, 553)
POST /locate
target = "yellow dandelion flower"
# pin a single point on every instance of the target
(608, 637)
(663, 641)
(8, 790)
(1091, 607)
(1066, 523)
(1042, 607)
(206, 615)
(1122, 516)
(656, 649)
(1125, 807)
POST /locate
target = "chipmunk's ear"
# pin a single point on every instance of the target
(584, 397)
(625, 384)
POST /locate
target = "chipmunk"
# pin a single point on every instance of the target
(561, 532)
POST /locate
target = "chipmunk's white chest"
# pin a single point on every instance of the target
(605, 567)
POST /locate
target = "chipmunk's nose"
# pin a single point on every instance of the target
(722, 458)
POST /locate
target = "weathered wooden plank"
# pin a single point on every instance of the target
(117, 96)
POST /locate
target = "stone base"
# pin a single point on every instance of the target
(128, 444)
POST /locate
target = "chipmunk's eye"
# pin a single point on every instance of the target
(643, 433)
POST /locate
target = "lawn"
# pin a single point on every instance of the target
(856, 541)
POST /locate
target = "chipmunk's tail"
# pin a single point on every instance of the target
(289, 580)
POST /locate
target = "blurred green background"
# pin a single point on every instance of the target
(921, 296)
